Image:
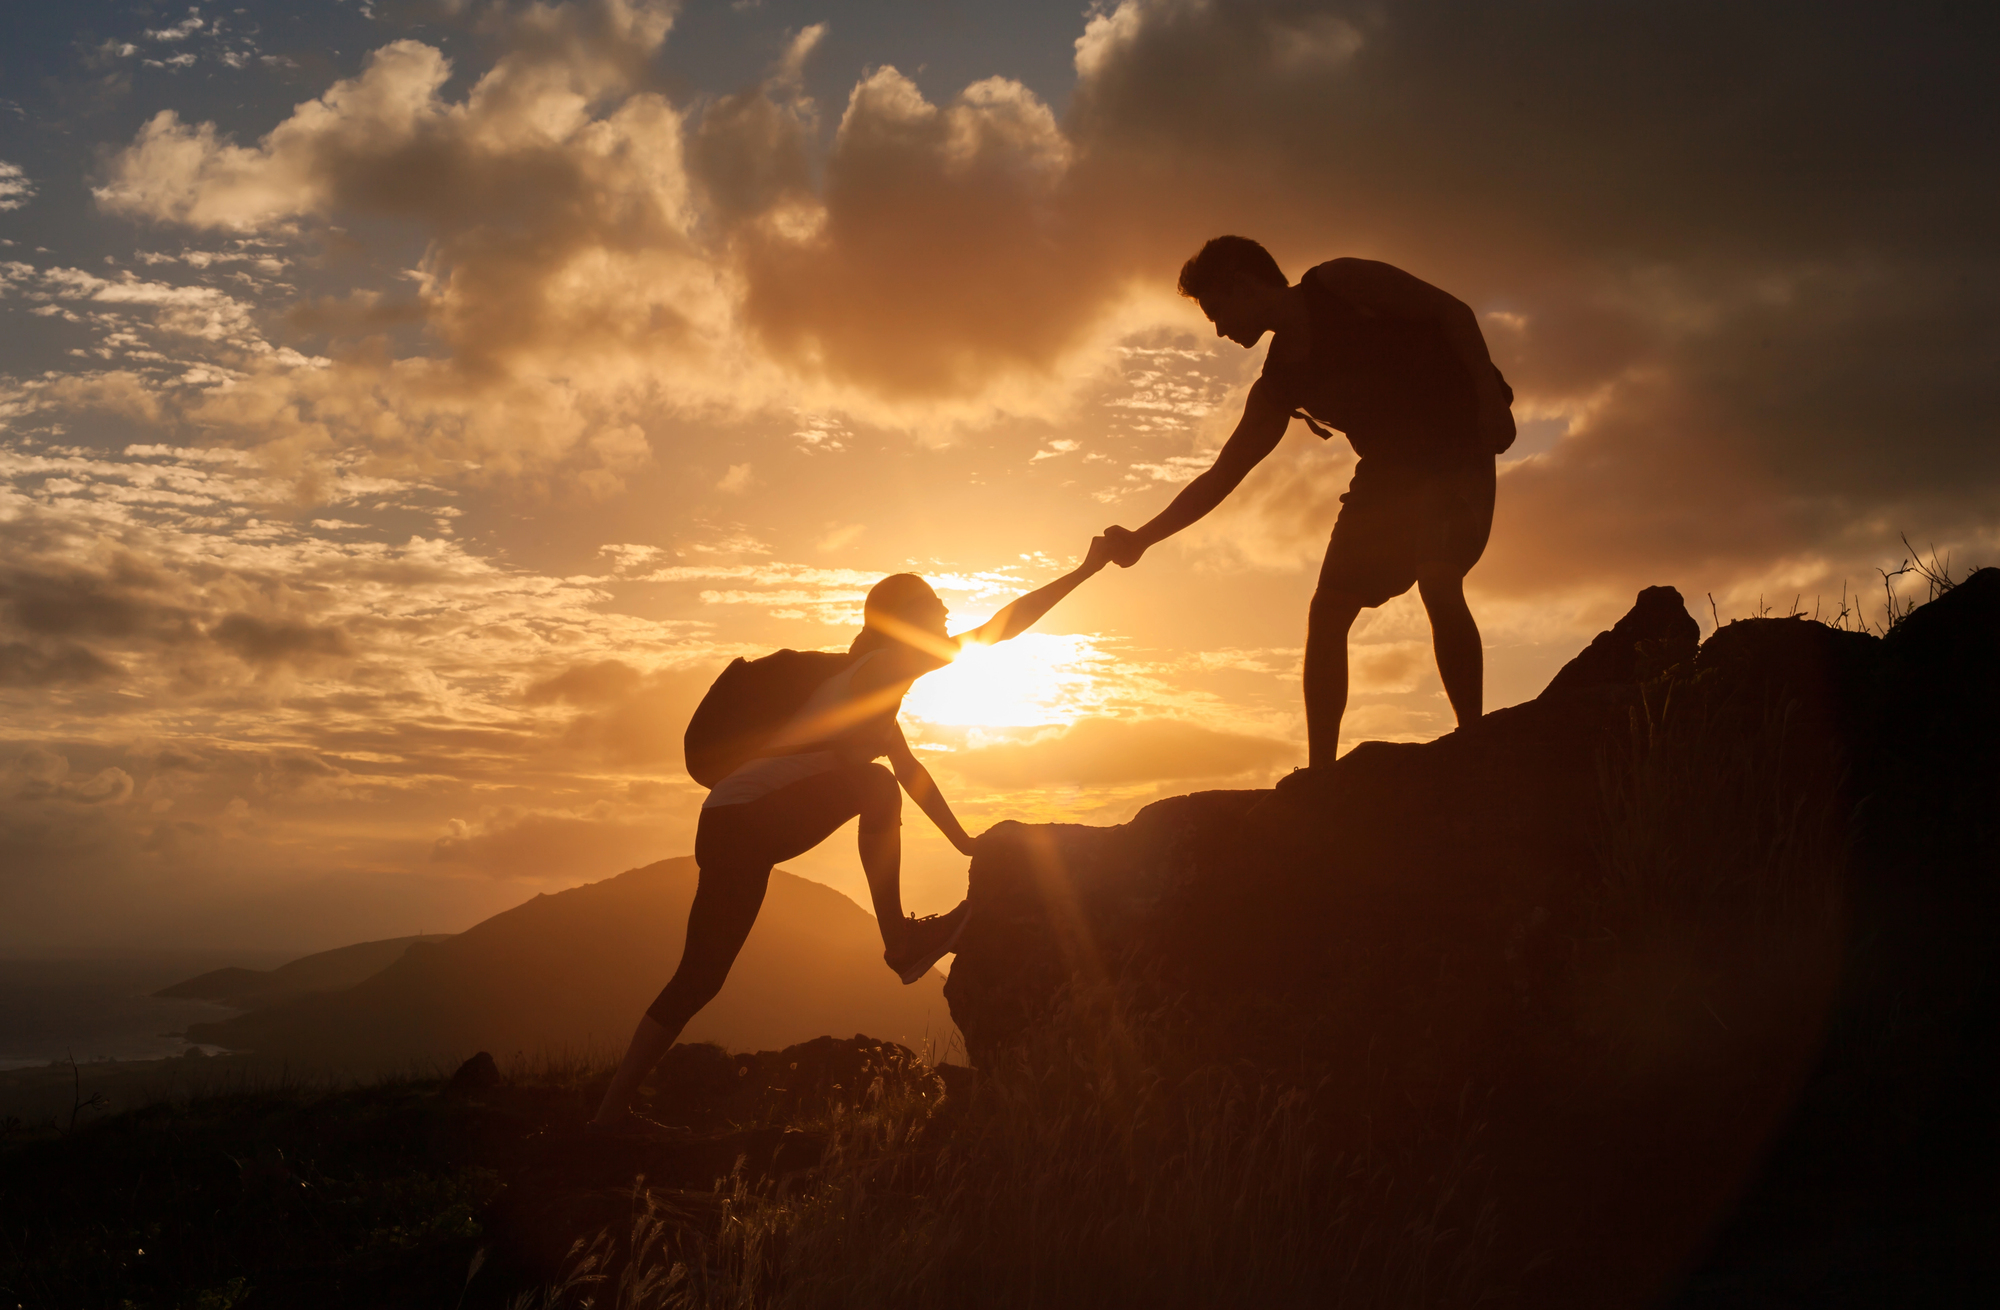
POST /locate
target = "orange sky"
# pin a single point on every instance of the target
(399, 426)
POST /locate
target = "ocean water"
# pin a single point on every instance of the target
(97, 1009)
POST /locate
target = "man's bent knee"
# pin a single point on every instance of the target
(1442, 589)
(1335, 609)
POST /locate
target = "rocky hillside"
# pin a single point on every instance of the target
(1691, 905)
(325, 971)
(572, 972)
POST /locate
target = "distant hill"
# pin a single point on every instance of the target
(328, 971)
(575, 970)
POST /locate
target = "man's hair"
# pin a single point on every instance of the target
(1226, 257)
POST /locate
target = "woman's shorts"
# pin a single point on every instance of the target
(1395, 527)
(786, 823)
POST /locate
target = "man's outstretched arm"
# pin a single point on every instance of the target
(1257, 434)
(1018, 615)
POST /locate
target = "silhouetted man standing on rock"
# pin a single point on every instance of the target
(1401, 368)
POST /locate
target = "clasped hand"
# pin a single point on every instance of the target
(1122, 546)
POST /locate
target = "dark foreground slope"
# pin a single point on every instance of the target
(1673, 986)
(573, 972)
(324, 971)
(1593, 960)
(285, 1195)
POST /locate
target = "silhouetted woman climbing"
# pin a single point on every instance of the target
(805, 779)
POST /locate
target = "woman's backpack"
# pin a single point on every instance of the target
(749, 702)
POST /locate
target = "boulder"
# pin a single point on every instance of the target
(478, 1074)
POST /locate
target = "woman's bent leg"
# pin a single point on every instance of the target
(725, 908)
(881, 842)
(736, 846)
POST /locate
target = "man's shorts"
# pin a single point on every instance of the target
(1395, 527)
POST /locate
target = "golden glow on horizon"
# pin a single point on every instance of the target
(1035, 680)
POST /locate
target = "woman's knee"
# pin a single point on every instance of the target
(705, 964)
(878, 791)
(684, 997)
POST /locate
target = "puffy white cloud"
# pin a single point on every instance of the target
(937, 255)
(566, 299)
(16, 189)
(182, 173)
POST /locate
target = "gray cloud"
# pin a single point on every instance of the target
(543, 845)
(118, 600)
(23, 664)
(602, 683)
(1742, 252)
(1736, 250)
(632, 719)
(751, 152)
(276, 704)
(265, 643)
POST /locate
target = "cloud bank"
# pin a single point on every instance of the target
(1753, 313)
(1737, 262)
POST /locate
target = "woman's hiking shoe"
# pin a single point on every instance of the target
(925, 942)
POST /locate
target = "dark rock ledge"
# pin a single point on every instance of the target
(1689, 913)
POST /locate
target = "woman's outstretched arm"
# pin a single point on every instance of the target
(916, 780)
(1022, 613)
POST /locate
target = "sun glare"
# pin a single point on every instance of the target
(1035, 680)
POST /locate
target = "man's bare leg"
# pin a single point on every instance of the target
(1327, 625)
(1461, 660)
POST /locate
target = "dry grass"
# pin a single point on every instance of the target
(1097, 1168)
(1718, 811)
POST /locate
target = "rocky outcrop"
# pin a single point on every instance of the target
(1462, 836)
(1622, 918)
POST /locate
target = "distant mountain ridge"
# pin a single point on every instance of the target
(574, 970)
(327, 971)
